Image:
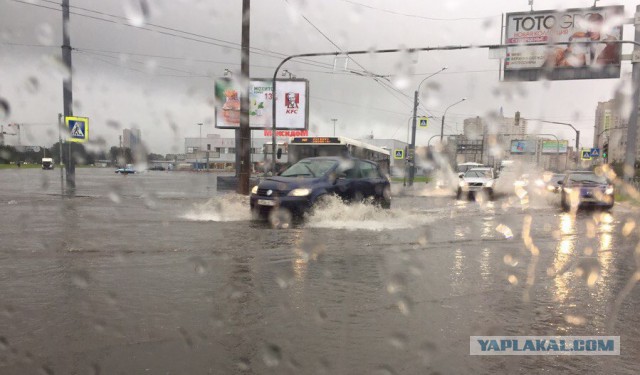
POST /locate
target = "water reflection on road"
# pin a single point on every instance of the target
(190, 284)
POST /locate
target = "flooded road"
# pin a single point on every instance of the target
(159, 273)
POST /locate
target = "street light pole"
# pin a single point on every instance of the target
(334, 126)
(574, 129)
(443, 116)
(412, 145)
(199, 147)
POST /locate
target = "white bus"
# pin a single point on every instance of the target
(282, 155)
(306, 147)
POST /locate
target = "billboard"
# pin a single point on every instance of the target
(523, 147)
(555, 147)
(575, 60)
(292, 104)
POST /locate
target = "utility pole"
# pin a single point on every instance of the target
(412, 146)
(334, 126)
(632, 129)
(60, 122)
(245, 130)
(67, 95)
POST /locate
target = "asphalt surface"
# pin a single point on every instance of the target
(158, 273)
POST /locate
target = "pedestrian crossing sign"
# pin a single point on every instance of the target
(586, 154)
(398, 153)
(78, 128)
(423, 122)
(595, 152)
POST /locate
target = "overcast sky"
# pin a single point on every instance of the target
(156, 72)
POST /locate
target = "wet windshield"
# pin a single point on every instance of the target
(586, 178)
(477, 174)
(319, 187)
(309, 168)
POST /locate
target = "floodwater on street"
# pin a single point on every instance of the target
(160, 273)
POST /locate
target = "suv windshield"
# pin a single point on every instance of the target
(477, 174)
(585, 178)
(309, 168)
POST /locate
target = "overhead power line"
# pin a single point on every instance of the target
(172, 32)
(418, 16)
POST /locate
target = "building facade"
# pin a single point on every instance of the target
(131, 138)
(611, 128)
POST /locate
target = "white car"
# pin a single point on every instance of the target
(477, 180)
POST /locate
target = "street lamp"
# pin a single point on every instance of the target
(412, 146)
(199, 147)
(334, 126)
(574, 129)
(444, 114)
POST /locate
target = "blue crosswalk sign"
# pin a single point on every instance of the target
(595, 152)
(78, 128)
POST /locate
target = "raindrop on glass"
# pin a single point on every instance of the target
(95, 369)
(113, 124)
(81, 279)
(137, 12)
(5, 110)
(405, 305)
(199, 265)
(398, 340)
(513, 279)
(32, 85)
(4, 344)
(244, 364)
(114, 197)
(384, 370)
(44, 33)
(272, 355)
(397, 283)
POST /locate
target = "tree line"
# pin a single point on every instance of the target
(115, 155)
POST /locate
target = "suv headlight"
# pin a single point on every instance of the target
(609, 190)
(254, 190)
(462, 184)
(299, 192)
(490, 183)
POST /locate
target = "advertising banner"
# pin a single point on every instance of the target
(553, 147)
(292, 109)
(523, 147)
(579, 59)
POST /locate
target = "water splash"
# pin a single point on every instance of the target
(230, 207)
(363, 216)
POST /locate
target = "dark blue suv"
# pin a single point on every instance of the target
(312, 180)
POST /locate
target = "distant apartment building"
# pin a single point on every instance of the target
(494, 132)
(131, 138)
(611, 128)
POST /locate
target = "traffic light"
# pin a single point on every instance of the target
(605, 152)
(517, 119)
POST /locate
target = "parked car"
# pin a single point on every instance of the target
(311, 181)
(128, 169)
(477, 180)
(586, 188)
